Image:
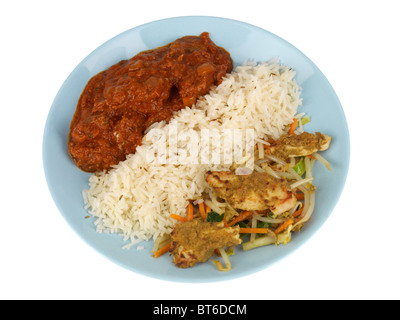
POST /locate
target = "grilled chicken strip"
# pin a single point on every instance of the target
(257, 191)
(294, 145)
(195, 241)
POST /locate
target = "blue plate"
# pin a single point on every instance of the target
(244, 42)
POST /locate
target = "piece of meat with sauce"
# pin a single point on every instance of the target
(304, 144)
(120, 103)
(195, 241)
(256, 191)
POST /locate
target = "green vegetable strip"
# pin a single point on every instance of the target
(214, 217)
(300, 167)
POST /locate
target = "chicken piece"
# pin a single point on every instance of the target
(195, 241)
(288, 146)
(256, 191)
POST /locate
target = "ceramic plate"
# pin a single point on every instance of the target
(244, 42)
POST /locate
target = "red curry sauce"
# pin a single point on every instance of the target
(118, 104)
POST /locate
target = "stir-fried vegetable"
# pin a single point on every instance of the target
(177, 217)
(300, 167)
(259, 227)
(190, 212)
(214, 217)
(293, 126)
(202, 209)
(242, 216)
(283, 226)
(162, 250)
(225, 257)
(305, 120)
(253, 230)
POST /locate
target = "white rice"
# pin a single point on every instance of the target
(136, 197)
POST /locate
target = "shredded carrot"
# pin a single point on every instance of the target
(293, 126)
(283, 226)
(253, 230)
(299, 195)
(179, 218)
(242, 216)
(297, 213)
(225, 223)
(310, 156)
(190, 212)
(208, 209)
(162, 250)
(202, 208)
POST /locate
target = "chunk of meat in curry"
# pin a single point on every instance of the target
(118, 104)
(256, 191)
(304, 144)
(195, 241)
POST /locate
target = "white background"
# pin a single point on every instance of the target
(355, 255)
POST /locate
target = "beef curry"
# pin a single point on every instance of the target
(120, 103)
